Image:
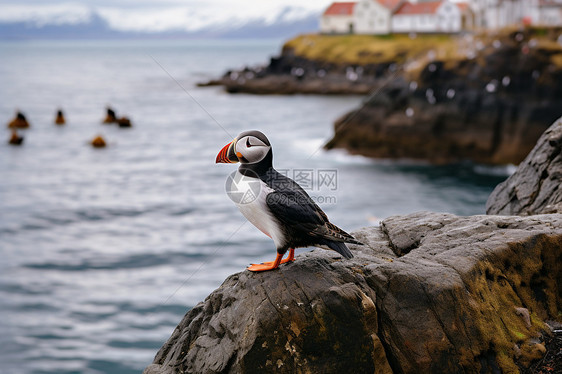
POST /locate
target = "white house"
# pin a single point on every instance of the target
(467, 16)
(428, 17)
(550, 13)
(499, 13)
(494, 14)
(374, 16)
(338, 18)
(431, 16)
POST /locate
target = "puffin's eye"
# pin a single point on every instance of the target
(248, 145)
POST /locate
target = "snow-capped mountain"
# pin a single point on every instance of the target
(83, 22)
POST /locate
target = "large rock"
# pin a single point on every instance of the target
(428, 292)
(536, 185)
(289, 74)
(489, 107)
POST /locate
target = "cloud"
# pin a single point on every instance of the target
(192, 19)
(43, 14)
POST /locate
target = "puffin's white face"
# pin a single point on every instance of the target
(250, 149)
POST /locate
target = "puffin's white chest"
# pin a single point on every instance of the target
(249, 195)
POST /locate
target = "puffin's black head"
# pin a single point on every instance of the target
(249, 147)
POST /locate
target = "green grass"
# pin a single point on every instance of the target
(370, 49)
(400, 48)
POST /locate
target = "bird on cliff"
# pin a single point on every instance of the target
(276, 204)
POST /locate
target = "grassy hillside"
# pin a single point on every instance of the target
(371, 49)
(376, 49)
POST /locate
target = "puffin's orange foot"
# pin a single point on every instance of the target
(263, 267)
(290, 257)
(270, 265)
(287, 260)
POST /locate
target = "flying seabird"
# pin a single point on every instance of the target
(276, 204)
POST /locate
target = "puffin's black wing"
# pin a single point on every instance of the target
(295, 209)
(290, 203)
(304, 221)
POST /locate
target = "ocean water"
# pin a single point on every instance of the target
(102, 251)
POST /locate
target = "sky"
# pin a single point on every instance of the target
(158, 15)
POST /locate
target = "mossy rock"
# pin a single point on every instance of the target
(427, 293)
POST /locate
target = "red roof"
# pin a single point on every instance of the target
(463, 6)
(390, 4)
(340, 9)
(429, 7)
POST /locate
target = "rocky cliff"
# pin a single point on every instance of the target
(536, 186)
(484, 98)
(428, 292)
(489, 107)
(335, 64)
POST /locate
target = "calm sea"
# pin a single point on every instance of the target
(102, 251)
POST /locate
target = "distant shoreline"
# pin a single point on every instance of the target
(442, 98)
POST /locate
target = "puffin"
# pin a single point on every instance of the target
(276, 204)
(20, 122)
(110, 117)
(59, 120)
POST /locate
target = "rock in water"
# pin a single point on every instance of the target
(429, 292)
(490, 107)
(536, 186)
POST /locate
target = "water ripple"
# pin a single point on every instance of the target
(143, 260)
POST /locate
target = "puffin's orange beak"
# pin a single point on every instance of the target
(227, 154)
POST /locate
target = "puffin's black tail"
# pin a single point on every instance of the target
(341, 248)
(352, 240)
